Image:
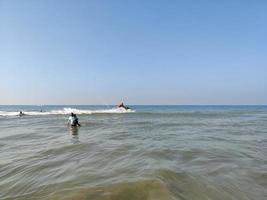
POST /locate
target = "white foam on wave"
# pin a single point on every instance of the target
(5, 113)
(104, 111)
(66, 111)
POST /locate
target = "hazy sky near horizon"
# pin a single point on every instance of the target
(142, 52)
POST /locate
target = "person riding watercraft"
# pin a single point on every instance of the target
(73, 120)
(123, 106)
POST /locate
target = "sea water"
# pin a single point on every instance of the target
(148, 152)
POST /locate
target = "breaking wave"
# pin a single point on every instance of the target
(66, 111)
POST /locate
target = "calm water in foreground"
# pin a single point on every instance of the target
(156, 152)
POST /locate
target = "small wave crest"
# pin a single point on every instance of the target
(66, 111)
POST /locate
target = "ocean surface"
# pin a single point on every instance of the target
(147, 153)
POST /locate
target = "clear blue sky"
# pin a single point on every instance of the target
(144, 52)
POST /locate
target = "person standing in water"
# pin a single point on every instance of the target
(73, 120)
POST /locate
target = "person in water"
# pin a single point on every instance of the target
(21, 113)
(73, 120)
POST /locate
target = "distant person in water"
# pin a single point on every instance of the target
(123, 106)
(21, 113)
(73, 120)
